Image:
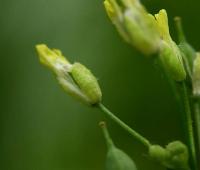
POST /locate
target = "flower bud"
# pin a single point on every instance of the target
(196, 76)
(158, 153)
(75, 78)
(172, 61)
(116, 159)
(169, 53)
(174, 156)
(134, 24)
(179, 155)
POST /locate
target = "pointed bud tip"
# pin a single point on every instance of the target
(177, 19)
(109, 9)
(41, 49)
(43, 53)
(102, 124)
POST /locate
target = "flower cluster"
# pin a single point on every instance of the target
(148, 33)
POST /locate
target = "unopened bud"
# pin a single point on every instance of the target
(174, 156)
(179, 155)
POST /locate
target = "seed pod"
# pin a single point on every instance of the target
(196, 76)
(75, 79)
(116, 159)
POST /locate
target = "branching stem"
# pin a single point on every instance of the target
(135, 134)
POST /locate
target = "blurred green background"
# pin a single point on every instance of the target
(41, 128)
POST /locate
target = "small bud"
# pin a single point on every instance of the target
(196, 76)
(169, 53)
(134, 24)
(179, 155)
(174, 156)
(75, 78)
(158, 153)
(116, 159)
(172, 61)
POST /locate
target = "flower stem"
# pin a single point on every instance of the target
(196, 105)
(109, 141)
(135, 134)
(189, 126)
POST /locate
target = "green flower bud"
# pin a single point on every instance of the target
(75, 78)
(158, 153)
(134, 24)
(172, 61)
(196, 76)
(116, 159)
(169, 53)
(179, 155)
(174, 156)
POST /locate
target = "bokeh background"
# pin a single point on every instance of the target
(41, 128)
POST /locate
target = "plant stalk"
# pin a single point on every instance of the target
(189, 126)
(196, 104)
(135, 134)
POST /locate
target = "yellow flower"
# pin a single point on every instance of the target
(134, 24)
(75, 78)
(170, 53)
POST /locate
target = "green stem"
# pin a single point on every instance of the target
(169, 80)
(136, 135)
(179, 28)
(189, 126)
(109, 141)
(197, 124)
